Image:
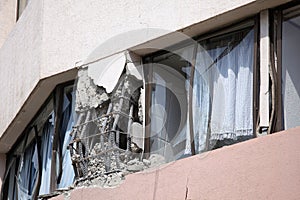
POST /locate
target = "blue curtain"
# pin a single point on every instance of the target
(68, 175)
(46, 153)
(12, 186)
(28, 173)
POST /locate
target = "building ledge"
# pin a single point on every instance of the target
(261, 168)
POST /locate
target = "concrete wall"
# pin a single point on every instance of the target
(87, 24)
(262, 168)
(51, 36)
(20, 61)
(7, 18)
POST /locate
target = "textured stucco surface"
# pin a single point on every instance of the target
(20, 60)
(51, 36)
(262, 168)
(87, 24)
(7, 18)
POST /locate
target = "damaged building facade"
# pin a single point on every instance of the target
(149, 100)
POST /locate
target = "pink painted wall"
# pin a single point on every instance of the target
(263, 168)
(2, 168)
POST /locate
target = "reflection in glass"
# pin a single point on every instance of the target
(222, 99)
(291, 69)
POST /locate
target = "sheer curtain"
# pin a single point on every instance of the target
(223, 88)
(232, 93)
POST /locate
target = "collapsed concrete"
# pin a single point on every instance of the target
(108, 138)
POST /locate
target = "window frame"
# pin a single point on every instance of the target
(276, 21)
(254, 20)
(57, 96)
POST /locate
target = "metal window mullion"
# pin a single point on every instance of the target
(278, 49)
(190, 101)
(256, 79)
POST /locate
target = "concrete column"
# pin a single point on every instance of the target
(264, 69)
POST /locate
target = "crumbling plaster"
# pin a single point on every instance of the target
(51, 36)
(261, 168)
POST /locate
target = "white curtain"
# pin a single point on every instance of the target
(223, 86)
(200, 108)
(232, 92)
(201, 102)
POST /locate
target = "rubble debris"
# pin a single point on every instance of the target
(107, 138)
(156, 160)
(100, 178)
(141, 109)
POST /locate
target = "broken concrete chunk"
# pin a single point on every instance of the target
(132, 162)
(88, 95)
(109, 136)
(156, 160)
(135, 167)
(141, 104)
(133, 66)
(147, 162)
(137, 134)
(113, 180)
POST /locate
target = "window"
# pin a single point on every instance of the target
(201, 96)
(285, 61)
(291, 67)
(40, 162)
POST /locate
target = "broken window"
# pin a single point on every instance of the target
(41, 152)
(108, 132)
(123, 117)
